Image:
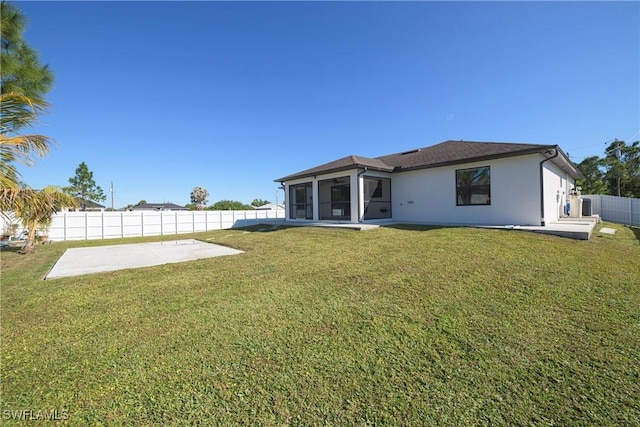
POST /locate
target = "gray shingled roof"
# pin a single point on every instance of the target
(451, 152)
(344, 163)
(158, 206)
(445, 153)
(88, 203)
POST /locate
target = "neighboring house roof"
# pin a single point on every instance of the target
(269, 206)
(445, 153)
(158, 207)
(88, 203)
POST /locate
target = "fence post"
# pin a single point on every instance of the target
(86, 227)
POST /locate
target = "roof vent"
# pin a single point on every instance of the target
(410, 151)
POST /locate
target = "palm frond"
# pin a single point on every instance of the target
(23, 147)
(19, 111)
(36, 208)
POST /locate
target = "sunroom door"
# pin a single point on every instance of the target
(335, 198)
(301, 201)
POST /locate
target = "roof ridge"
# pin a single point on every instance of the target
(444, 153)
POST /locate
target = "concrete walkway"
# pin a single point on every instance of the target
(573, 228)
(578, 228)
(96, 259)
(323, 224)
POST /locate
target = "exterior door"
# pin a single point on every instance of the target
(301, 201)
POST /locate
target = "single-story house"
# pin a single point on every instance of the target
(158, 207)
(454, 182)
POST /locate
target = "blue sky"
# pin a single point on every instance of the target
(160, 97)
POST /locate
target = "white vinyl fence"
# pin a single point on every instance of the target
(110, 225)
(621, 210)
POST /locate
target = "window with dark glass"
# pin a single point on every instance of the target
(473, 186)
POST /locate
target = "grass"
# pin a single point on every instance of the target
(403, 325)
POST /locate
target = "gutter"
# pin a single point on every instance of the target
(542, 184)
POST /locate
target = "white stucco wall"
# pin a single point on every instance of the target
(557, 185)
(429, 195)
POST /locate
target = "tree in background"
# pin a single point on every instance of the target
(83, 187)
(23, 84)
(199, 197)
(141, 202)
(259, 202)
(617, 174)
(593, 171)
(229, 205)
(622, 163)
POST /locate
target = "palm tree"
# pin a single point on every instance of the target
(35, 209)
(23, 84)
(17, 112)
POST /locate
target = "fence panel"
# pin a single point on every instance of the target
(110, 225)
(621, 210)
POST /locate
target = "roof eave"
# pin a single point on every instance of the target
(333, 170)
(567, 165)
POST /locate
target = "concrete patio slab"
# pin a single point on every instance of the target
(607, 230)
(97, 259)
(324, 224)
(578, 228)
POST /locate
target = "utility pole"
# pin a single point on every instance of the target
(618, 156)
(111, 190)
(617, 152)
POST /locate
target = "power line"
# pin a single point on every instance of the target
(633, 136)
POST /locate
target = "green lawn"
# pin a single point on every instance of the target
(403, 325)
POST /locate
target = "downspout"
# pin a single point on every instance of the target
(358, 181)
(284, 190)
(542, 186)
